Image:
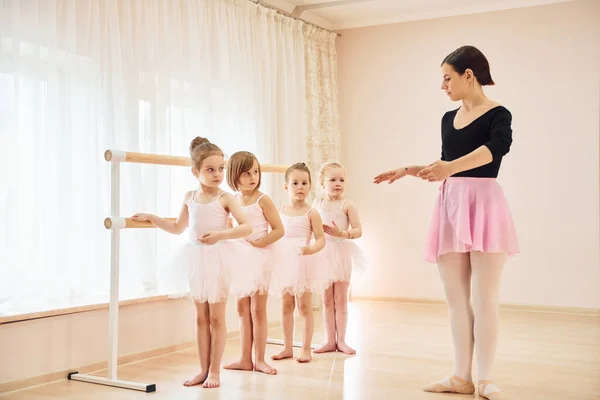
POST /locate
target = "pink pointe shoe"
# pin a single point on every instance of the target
(488, 390)
(454, 384)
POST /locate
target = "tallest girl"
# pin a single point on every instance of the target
(471, 231)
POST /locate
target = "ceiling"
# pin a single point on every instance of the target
(345, 14)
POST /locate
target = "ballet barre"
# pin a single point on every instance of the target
(115, 223)
(159, 159)
(124, 223)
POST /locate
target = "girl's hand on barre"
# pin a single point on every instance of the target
(140, 217)
(210, 238)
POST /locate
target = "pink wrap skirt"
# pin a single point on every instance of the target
(471, 214)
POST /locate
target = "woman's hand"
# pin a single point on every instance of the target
(436, 171)
(390, 176)
(210, 238)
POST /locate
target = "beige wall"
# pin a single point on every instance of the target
(545, 61)
(42, 346)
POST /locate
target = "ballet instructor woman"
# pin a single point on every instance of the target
(471, 231)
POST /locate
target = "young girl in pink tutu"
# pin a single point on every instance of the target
(296, 272)
(212, 263)
(342, 227)
(244, 177)
(472, 231)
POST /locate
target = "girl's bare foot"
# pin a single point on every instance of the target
(344, 348)
(241, 365)
(265, 368)
(285, 353)
(212, 382)
(326, 348)
(197, 380)
(305, 356)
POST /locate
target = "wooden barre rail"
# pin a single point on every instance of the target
(159, 159)
(124, 223)
(118, 156)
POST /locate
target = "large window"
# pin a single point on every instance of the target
(58, 115)
(80, 77)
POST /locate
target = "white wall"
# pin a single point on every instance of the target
(545, 61)
(42, 346)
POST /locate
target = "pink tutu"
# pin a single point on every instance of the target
(209, 273)
(250, 268)
(471, 214)
(294, 273)
(266, 271)
(260, 229)
(346, 256)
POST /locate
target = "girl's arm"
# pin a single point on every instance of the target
(317, 228)
(274, 220)
(243, 229)
(355, 232)
(176, 227)
(356, 227)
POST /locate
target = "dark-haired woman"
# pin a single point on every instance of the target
(471, 231)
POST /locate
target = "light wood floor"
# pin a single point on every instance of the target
(400, 348)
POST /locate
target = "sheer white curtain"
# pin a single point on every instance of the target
(79, 77)
(322, 108)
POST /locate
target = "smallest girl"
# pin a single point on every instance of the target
(244, 177)
(342, 227)
(296, 272)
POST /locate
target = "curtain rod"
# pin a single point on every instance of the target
(286, 14)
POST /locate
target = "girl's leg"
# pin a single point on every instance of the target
(203, 343)
(306, 312)
(487, 272)
(340, 297)
(245, 363)
(455, 272)
(329, 321)
(261, 329)
(287, 326)
(219, 337)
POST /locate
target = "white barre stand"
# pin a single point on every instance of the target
(115, 224)
(113, 309)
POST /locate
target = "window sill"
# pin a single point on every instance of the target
(78, 309)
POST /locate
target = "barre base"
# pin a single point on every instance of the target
(142, 387)
(295, 344)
